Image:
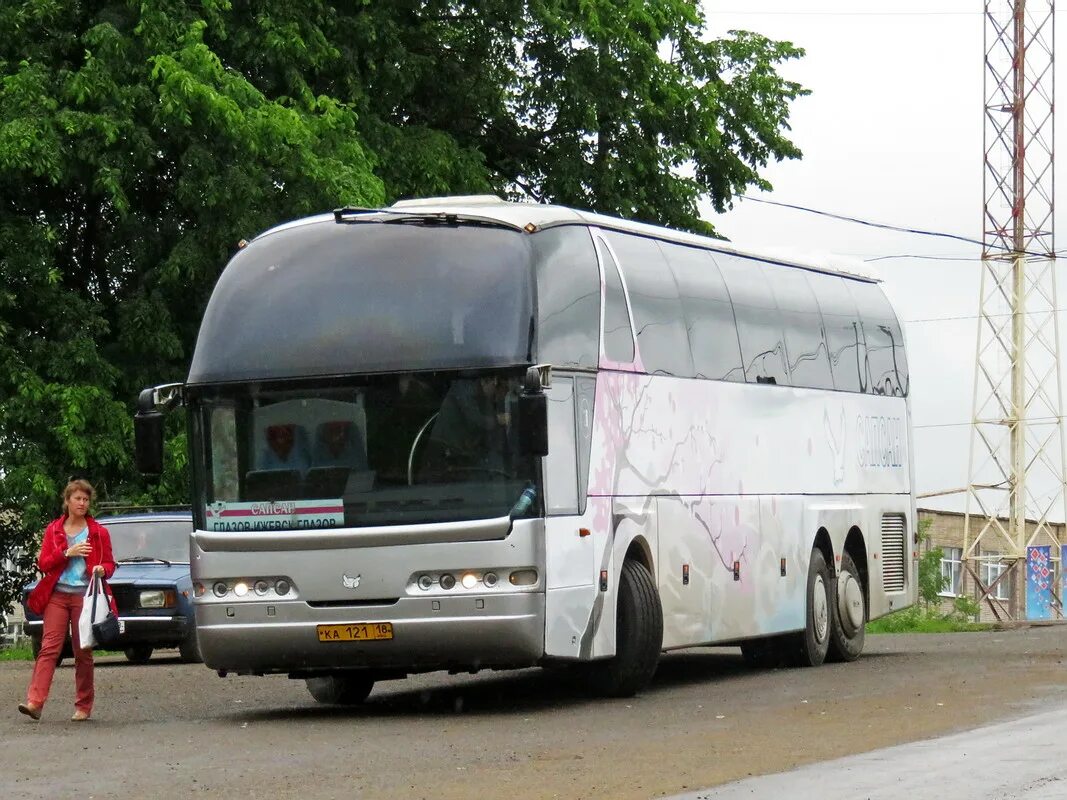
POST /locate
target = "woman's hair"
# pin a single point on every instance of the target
(77, 485)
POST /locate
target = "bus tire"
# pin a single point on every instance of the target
(638, 636)
(812, 644)
(340, 690)
(849, 613)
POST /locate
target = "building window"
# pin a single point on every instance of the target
(991, 570)
(951, 570)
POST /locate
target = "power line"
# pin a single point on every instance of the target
(881, 225)
(969, 424)
(977, 316)
(846, 13)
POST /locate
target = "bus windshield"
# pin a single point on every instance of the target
(383, 450)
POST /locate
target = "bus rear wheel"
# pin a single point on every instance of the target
(849, 614)
(340, 690)
(812, 644)
(638, 636)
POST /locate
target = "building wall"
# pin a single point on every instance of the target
(945, 530)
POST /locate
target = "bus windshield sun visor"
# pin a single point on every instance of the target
(325, 300)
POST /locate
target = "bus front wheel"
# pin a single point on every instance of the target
(638, 636)
(813, 642)
(340, 690)
(849, 614)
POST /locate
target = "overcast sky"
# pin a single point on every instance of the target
(892, 132)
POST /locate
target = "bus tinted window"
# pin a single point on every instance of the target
(618, 335)
(759, 325)
(568, 297)
(335, 299)
(658, 318)
(887, 367)
(808, 363)
(844, 339)
(709, 316)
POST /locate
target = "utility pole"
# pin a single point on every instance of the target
(1017, 454)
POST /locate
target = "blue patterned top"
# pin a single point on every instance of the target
(75, 577)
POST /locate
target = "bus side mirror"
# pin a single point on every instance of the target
(148, 442)
(152, 403)
(533, 416)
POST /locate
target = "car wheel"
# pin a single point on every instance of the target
(189, 649)
(341, 690)
(849, 614)
(138, 654)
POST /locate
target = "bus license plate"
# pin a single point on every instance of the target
(355, 632)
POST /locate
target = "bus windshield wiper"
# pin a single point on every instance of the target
(387, 217)
(142, 560)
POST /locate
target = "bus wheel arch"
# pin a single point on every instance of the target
(851, 601)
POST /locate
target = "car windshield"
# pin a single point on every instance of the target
(381, 450)
(149, 540)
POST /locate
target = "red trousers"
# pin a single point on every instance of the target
(60, 616)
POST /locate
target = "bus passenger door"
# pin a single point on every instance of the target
(571, 549)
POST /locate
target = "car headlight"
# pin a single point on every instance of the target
(157, 598)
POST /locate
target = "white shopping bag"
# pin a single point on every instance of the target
(92, 612)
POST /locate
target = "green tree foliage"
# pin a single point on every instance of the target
(132, 161)
(140, 141)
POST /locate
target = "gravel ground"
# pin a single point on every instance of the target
(168, 729)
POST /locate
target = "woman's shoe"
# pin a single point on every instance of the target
(30, 710)
(80, 716)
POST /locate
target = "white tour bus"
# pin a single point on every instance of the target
(461, 433)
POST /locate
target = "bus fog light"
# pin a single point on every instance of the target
(282, 587)
(490, 579)
(470, 580)
(220, 589)
(240, 589)
(261, 587)
(425, 582)
(447, 581)
(523, 577)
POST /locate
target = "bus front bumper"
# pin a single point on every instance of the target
(461, 633)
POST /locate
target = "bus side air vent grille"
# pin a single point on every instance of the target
(894, 527)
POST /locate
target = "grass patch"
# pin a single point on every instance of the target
(24, 653)
(16, 653)
(919, 620)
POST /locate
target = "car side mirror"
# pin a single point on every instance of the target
(533, 416)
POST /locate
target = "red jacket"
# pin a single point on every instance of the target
(52, 561)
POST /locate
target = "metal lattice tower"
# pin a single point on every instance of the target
(1016, 465)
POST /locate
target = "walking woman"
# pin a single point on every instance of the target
(75, 547)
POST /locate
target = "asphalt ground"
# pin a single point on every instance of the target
(168, 729)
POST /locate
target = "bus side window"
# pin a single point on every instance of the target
(809, 365)
(618, 333)
(886, 362)
(759, 323)
(709, 314)
(659, 322)
(844, 338)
